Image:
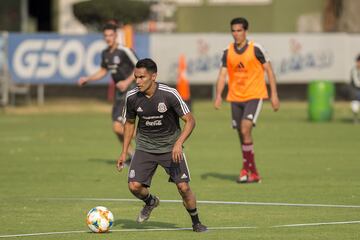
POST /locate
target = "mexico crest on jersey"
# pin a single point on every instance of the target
(162, 107)
(116, 59)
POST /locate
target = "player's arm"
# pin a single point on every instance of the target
(221, 80)
(220, 85)
(264, 59)
(275, 102)
(132, 59)
(185, 133)
(96, 76)
(129, 129)
(123, 85)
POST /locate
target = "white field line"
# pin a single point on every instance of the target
(39, 234)
(209, 202)
(122, 230)
(178, 229)
(315, 224)
(16, 139)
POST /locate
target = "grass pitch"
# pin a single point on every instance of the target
(56, 159)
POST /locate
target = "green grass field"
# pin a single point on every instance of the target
(54, 162)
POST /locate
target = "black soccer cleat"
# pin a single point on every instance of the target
(198, 227)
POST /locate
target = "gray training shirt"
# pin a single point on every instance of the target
(158, 126)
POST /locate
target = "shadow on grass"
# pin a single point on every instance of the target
(348, 121)
(127, 223)
(229, 177)
(99, 160)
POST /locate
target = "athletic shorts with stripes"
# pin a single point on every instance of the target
(249, 110)
(144, 164)
(117, 109)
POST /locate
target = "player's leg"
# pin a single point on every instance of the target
(179, 174)
(141, 170)
(189, 202)
(118, 126)
(251, 112)
(355, 105)
(237, 111)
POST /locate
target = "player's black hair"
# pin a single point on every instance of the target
(110, 26)
(241, 21)
(358, 58)
(148, 64)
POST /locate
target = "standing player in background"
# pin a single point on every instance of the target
(159, 140)
(355, 89)
(120, 62)
(245, 62)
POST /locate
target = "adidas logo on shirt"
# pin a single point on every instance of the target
(139, 109)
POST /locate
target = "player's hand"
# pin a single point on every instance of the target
(177, 154)
(82, 81)
(122, 86)
(120, 162)
(217, 102)
(275, 103)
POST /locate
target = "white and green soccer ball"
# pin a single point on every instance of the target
(100, 219)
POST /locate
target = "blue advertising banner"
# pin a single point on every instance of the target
(142, 45)
(57, 59)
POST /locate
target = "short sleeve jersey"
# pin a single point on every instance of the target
(245, 71)
(355, 77)
(260, 54)
(120, 63)
(158, 125)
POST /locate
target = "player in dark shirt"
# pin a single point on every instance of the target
(355, 89)
(159, 140)
(120, 62)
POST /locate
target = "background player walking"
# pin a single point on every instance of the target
(245, 62)
(120, 62)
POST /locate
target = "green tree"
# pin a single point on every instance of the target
(95, 13)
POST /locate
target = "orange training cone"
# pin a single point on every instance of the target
(182, 82)
(129, 36)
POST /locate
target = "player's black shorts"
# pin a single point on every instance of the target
(356, 94)
(143, 166)
(119, 103)
(117, 110)
(245, 110)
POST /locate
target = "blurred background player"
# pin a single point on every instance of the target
(159, 140)
(120, 62)
(245, 62)
(355, 89)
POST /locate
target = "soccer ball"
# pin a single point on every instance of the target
(99, 219)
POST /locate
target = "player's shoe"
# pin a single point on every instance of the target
(199, 228)
(244, 176)
(146, 211)
(254, 178)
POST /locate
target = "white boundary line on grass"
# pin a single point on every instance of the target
(16, 139)
(315, 224)
(178, 229)
(123, 230)
(210, 202)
